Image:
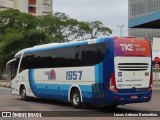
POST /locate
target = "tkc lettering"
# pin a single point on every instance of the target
(127, 47)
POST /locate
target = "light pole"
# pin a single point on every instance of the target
(120, 26)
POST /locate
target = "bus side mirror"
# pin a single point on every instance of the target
(8, 65)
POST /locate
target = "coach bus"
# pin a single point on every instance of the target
(104, 71)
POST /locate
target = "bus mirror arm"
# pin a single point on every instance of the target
(7, 66)
(8, 63)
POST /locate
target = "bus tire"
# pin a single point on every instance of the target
(23, 93)
(76, 99)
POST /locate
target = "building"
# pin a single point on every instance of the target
(35, 7)
(6, 4)
(144, 18)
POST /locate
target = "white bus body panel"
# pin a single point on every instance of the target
(87, 77)
(127, 79)
(21, 79)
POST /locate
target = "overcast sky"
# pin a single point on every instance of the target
(110, 12)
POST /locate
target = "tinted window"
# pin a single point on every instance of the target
(68, 57)
(26, 62)
(94, 54)
(86, 55)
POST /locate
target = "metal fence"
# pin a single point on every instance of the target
(156, 78)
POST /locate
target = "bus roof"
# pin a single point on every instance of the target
(67, 44)
(58, 45)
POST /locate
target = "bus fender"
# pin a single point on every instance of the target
(69, 92)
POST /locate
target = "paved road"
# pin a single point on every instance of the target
(10, 102)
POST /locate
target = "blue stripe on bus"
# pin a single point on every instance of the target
(99, 73)
(99, 67)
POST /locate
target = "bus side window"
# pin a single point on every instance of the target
(26, 62)
(83, 59)
(94, 53)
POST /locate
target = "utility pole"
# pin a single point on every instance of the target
(120, 26)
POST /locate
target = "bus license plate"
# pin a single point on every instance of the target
(134, 97)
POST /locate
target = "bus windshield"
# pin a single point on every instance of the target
(12, 65)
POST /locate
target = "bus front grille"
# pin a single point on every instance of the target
(133, 66)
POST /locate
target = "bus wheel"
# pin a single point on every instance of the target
(76, 99)
(23, 93)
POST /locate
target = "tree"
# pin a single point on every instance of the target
(17, 20)
(63, 28)
(14, 42)
(34, 37)
(18, 31)
(60, 26)
(21, 30)
(10, 45)
(91, 30)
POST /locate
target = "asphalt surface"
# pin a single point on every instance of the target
(58, 109)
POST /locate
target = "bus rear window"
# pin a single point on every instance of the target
(132, 47)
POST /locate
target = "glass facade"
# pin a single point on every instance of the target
(140, 8)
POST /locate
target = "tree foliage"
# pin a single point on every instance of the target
(21, 30)
(63, 28)
(18, 31)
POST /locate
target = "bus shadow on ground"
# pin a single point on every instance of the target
(85, 107)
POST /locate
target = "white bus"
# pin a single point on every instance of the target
(106, 71)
